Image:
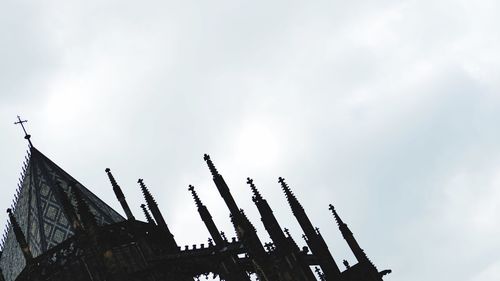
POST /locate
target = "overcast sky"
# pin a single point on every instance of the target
(387, 109)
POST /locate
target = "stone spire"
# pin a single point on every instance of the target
(287, 250)
(314, 239)
(268, 219)
(119, 195)
(222, 187)
(244, 228)
(207, 218)
(233, 271)
(197, 200)
(349, 238)
(21, 239)
(153, 206)
(292, 200)
(256, 194)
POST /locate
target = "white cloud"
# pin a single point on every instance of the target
(387, 109)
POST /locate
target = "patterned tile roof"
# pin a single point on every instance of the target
(40, 214)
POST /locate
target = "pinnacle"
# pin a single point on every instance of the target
(335, 215)
(147, 195)
(195, 196)
(255, 191)
(211, 165)
(289, 194)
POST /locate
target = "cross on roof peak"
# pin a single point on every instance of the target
(26, 135)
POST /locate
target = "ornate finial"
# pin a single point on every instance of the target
(289, 236)
(246, 220)
(256, 193)
(292, 200)
(13, 220)
(346, 264)
(113, 181)
(223, 235)
(268, 247)
(211, 165)
(195, 196)
(285, 187)
(26, 135)
(321, 275)
(335, 215)
(147, 215)
(147, 195)
(317, 230)
(385, 272)
(283, 183)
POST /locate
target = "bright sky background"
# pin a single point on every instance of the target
(387, 109)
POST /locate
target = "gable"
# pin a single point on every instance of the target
(41, 215)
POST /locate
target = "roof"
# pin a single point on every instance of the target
(41, 215)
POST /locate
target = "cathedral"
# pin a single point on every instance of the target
(59, 230)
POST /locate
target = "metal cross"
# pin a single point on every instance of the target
(26, 135)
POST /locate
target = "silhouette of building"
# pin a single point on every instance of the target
(59, 230)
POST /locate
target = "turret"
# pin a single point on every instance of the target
(314, 239)
(119, 195)
(21, 239)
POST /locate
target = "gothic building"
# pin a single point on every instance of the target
(59, 230)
